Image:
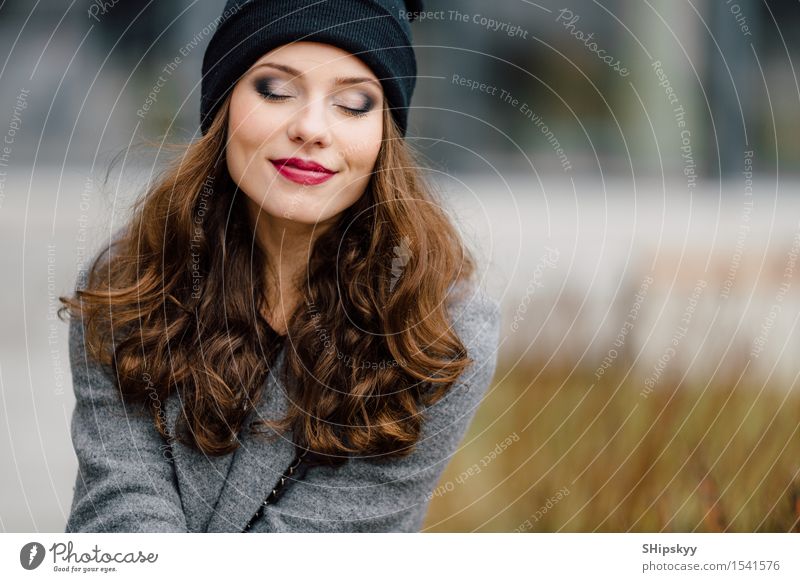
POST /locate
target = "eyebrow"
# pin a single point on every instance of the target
(338, 81)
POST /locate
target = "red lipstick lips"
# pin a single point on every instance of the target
(302, 171)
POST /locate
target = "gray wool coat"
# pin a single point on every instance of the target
(126, 483)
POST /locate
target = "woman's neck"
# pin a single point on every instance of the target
(287, 246)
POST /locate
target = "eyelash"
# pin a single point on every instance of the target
(350, 111)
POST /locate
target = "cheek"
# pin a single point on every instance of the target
(364, 150)
(248, 130)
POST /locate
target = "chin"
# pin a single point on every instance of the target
(303, 205)
(301, 212)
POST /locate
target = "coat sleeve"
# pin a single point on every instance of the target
(361, 496)
(125, 481)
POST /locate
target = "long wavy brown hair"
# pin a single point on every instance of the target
(176, 302)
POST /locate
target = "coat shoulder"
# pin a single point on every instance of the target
(474, 314)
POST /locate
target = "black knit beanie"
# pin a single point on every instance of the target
(376, 31)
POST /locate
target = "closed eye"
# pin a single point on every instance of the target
(347, 110)
(263, 86)
(273, 96)
(355, 112)
(263, 89)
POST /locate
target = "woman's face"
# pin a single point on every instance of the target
(305, 126)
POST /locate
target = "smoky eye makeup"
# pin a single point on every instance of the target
(362, 104)
(270, 87)
(352, 101)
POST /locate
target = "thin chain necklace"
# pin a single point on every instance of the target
(280, 487)
(278, 490)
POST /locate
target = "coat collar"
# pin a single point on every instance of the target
(221, 494)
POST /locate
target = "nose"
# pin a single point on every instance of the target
(310, 124)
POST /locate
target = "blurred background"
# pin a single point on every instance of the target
(626, 172)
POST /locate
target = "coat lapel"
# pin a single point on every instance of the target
(200, 477)
(221, 494)
(259, 461)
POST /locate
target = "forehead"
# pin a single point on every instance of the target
(316, 59)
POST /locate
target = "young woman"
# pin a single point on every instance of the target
(288, 334)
